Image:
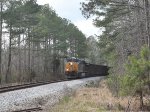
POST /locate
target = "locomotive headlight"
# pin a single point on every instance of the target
(67, 69)
(71, 63)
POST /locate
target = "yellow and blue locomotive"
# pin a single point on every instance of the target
(76, 68)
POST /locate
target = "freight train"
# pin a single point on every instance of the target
(77, 68)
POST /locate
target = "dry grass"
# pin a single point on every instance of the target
(95, 100)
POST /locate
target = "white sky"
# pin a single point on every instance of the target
(70, 9)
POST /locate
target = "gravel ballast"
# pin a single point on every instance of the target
(46, 95)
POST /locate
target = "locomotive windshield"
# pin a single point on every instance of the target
(75, 60)
(72, 60)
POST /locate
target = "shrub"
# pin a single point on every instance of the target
(136, 74)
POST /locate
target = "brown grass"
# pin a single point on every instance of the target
(96, 100)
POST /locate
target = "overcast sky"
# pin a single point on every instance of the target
(70, 9)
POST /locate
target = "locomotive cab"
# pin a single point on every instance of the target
(72, 68)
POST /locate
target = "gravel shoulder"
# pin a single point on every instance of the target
(41, 96)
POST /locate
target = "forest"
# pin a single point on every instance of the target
(34, 42)
(125, 43)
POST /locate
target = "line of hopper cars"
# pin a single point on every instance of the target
(76, 68)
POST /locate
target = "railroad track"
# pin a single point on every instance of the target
(27, 85)
(30, 85)
(29, 110)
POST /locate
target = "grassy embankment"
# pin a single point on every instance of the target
(95, 99)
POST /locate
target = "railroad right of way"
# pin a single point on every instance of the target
(41, 96)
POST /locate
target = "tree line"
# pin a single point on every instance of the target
(124, 44)
(34, 41)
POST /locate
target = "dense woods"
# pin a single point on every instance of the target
(125, 43)
(34, 41)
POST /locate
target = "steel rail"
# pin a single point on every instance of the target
(27, 85)
(29, 110)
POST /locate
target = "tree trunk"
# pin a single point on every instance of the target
(29, 55)
(25, 57)
(19, 60)
(141, 100)
(147, 22)
(147, 28)
(45, 59)
(54, 55)
(8, 72)
(1, 23)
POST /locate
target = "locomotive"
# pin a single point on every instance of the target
(77, 68)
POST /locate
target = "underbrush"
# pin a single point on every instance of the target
(98, 99)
